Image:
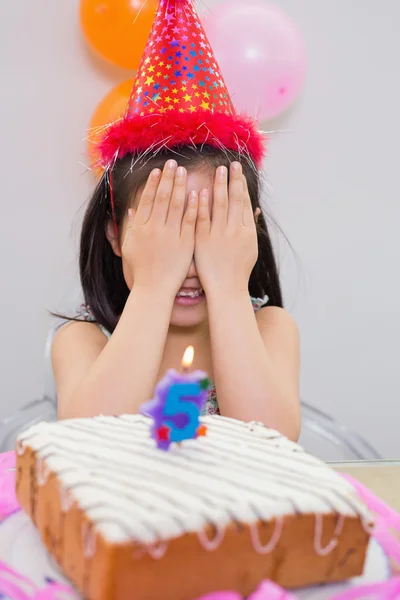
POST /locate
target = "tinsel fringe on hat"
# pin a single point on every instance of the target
(135, 135)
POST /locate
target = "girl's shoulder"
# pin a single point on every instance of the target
(74, 328)
(84, 313)
(276, 315)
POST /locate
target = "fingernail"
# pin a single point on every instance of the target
(193, 197)
(222, 171)
(130, 213)
(181, 172)
(172, 164)
(156, 173)
(237, 166)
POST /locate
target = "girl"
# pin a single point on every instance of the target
(181, 256)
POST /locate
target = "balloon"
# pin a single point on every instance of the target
(262, 56)
(118, 29)
(111, 108)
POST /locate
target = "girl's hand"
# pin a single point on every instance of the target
(226, 244)
(158, 243)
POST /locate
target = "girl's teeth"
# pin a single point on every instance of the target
(194, 294)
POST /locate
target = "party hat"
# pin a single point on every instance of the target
(179, 97)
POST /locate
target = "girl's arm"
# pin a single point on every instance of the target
(94, 377)
(255, 359)
(256, 365)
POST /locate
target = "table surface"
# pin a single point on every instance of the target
(382, 477)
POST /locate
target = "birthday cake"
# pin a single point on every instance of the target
(126, 520)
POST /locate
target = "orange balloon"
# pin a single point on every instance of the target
(118, 29)
(111, 108)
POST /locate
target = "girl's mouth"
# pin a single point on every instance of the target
(189, 297)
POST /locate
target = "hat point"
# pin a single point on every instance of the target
(179, 96)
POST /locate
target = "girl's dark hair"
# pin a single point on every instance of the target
(102, 279)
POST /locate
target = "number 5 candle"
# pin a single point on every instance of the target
(177, 404)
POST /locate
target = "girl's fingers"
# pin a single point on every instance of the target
(178, 199)
(128, 225)
(236, 195)
(220, 203)
(191, 213)
(131, 217)
(146, 203)
(248, 215)
(164, 192)
(203, 218)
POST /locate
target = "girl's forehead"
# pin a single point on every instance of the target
(199, 179)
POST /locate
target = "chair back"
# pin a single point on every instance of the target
(322, 436)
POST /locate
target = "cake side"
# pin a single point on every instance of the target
(187, 571)
(105, 547)
(104, 571)
(64, 527)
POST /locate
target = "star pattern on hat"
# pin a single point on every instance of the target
(178, 70)
(179, 96)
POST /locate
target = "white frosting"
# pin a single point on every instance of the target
(66, 500)
(318, 535)
(132, 491)
(89, 540)
(255, 537)
(157, 551)
(42, 471)
(211, 544)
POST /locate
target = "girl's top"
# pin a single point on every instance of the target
(211, 406)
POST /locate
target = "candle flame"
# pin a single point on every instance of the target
(188, 357)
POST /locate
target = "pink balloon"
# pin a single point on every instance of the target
(262, 56)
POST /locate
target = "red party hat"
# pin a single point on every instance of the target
(179, 96)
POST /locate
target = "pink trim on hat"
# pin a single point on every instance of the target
(138, 134)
